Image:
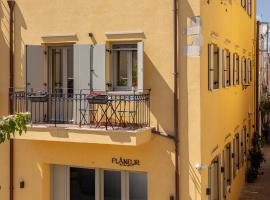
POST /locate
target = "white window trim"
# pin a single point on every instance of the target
(140, 70)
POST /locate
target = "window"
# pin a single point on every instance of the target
(241, 149)
(249, 7)
(214, 179)
(82, 184)
(137, 186)
(245, 141)
(236, 158)
(227, 169)
(244, 71)
(127, 63)
(213, 66)
(226, 63)
(244, 3)
(236, 69)
(90, 184)
(249, 71)
(61, 78)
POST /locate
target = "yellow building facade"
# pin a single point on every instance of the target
(122, 146)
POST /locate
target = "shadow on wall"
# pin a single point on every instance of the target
(190, 178)
(4, 57)
(163, 94)
(19, 46)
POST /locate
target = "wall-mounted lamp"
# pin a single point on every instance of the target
(214, 34)
(90, 34)
(250, 113)
(201, 166)
(22, 184)
(227, 41)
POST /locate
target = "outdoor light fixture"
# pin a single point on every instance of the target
(214, 34)
(227, 41)
(22, 184)
(201, 166)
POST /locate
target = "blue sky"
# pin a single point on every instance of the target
(263, 10)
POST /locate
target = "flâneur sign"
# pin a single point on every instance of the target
(125, 162)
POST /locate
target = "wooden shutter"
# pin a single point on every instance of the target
(244, 69)
(140, 60)
(34, 75)
(234, 69)
(249, 70)
(81, 68)
(224, 68)
(220, 67)
(231, 69)
(99, 67)
(210, 67)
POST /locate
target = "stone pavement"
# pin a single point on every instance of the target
(260, 189)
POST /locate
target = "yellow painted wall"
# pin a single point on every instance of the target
(33, 19)
(205, 117)
(33, 159)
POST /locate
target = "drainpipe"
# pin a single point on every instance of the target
(176, 117)
(257, 77)
(11, 4)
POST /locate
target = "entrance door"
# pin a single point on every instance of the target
(73, 183)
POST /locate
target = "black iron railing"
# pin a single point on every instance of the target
(129, 110)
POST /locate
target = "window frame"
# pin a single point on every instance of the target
(129, 67)
(99, 181)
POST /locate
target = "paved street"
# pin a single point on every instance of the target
(260, 190)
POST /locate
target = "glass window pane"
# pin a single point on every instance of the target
(137, 186)
(82, 184)
(122, 69)
(112, 185)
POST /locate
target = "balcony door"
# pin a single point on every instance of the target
(61, 79)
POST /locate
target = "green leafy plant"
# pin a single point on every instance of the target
(256, 158)
(13, 123)
(265, 105)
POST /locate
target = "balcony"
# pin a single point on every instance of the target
(84, 116)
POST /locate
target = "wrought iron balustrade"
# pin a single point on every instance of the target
(130, 110)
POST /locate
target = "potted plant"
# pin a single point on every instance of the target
(256, 158)
(109, 86)
(38, 96)
(97, 98)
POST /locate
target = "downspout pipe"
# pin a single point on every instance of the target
(175, 101)
(11, 5)
(257, 77)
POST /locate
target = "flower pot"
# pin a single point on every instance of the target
(38, 98)
(100, 99)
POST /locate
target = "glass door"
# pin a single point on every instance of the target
(61, 84)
